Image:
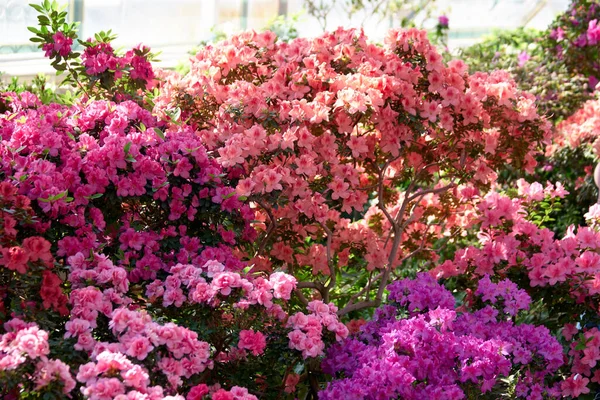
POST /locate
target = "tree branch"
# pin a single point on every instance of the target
(270, 228)
(332, 273)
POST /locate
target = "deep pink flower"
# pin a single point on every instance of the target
(253, 341)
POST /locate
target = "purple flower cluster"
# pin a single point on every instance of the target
(420, 294)
(439, 353)
(513, 298)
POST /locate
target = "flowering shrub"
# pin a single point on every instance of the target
(560, 275)
(558, 66)
(98, 72)
(526, 54)
(574, 154)
(99, 195)
(582, 128)
(435, 351)
(351, 151)
(574, 38)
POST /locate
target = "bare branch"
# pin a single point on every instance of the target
(381, 202)
(366, 290)
(359, 306)
(301, 297)
(395, 222)
(270, 228)
(311, 285)
(332, 272)
(422, 193)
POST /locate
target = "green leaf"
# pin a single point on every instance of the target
(33, 30)
(174, 113)
(43, 20)
(37, 7)
(127, 147)
(60, 195)
(142, 127)
(159, 133)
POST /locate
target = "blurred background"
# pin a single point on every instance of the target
(174, 27)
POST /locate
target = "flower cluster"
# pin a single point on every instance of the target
(505, 291)
(60, 45)
(99, 71)
(307, 329)
(566, 268)
(100, 61)
(30, 256)
(420, 294)
(441, 353)
(26, 344)
(575, 35)
(581, 128)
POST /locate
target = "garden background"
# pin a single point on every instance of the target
(404, 211)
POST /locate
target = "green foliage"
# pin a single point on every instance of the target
(284, 27)
(560, 84)
(118, 77)
(39, 86)
(525, 54)
(573, 167)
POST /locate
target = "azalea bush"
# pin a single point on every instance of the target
(574, 38)
(557, 66)
(207, 235)
(351, 152)
(560, 274)
(527, 55)
(421, 346)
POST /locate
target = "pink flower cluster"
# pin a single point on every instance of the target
(307, 332)
(24, 343)
(581, 128)
(252, 341)
(235, 393)
(220, 286)
(570, 265)
(420, 294)
(32, 256)
(509, 240)
(505, 292)
(176, 351)
(99, 58)
(113, 376)
(60, 45)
